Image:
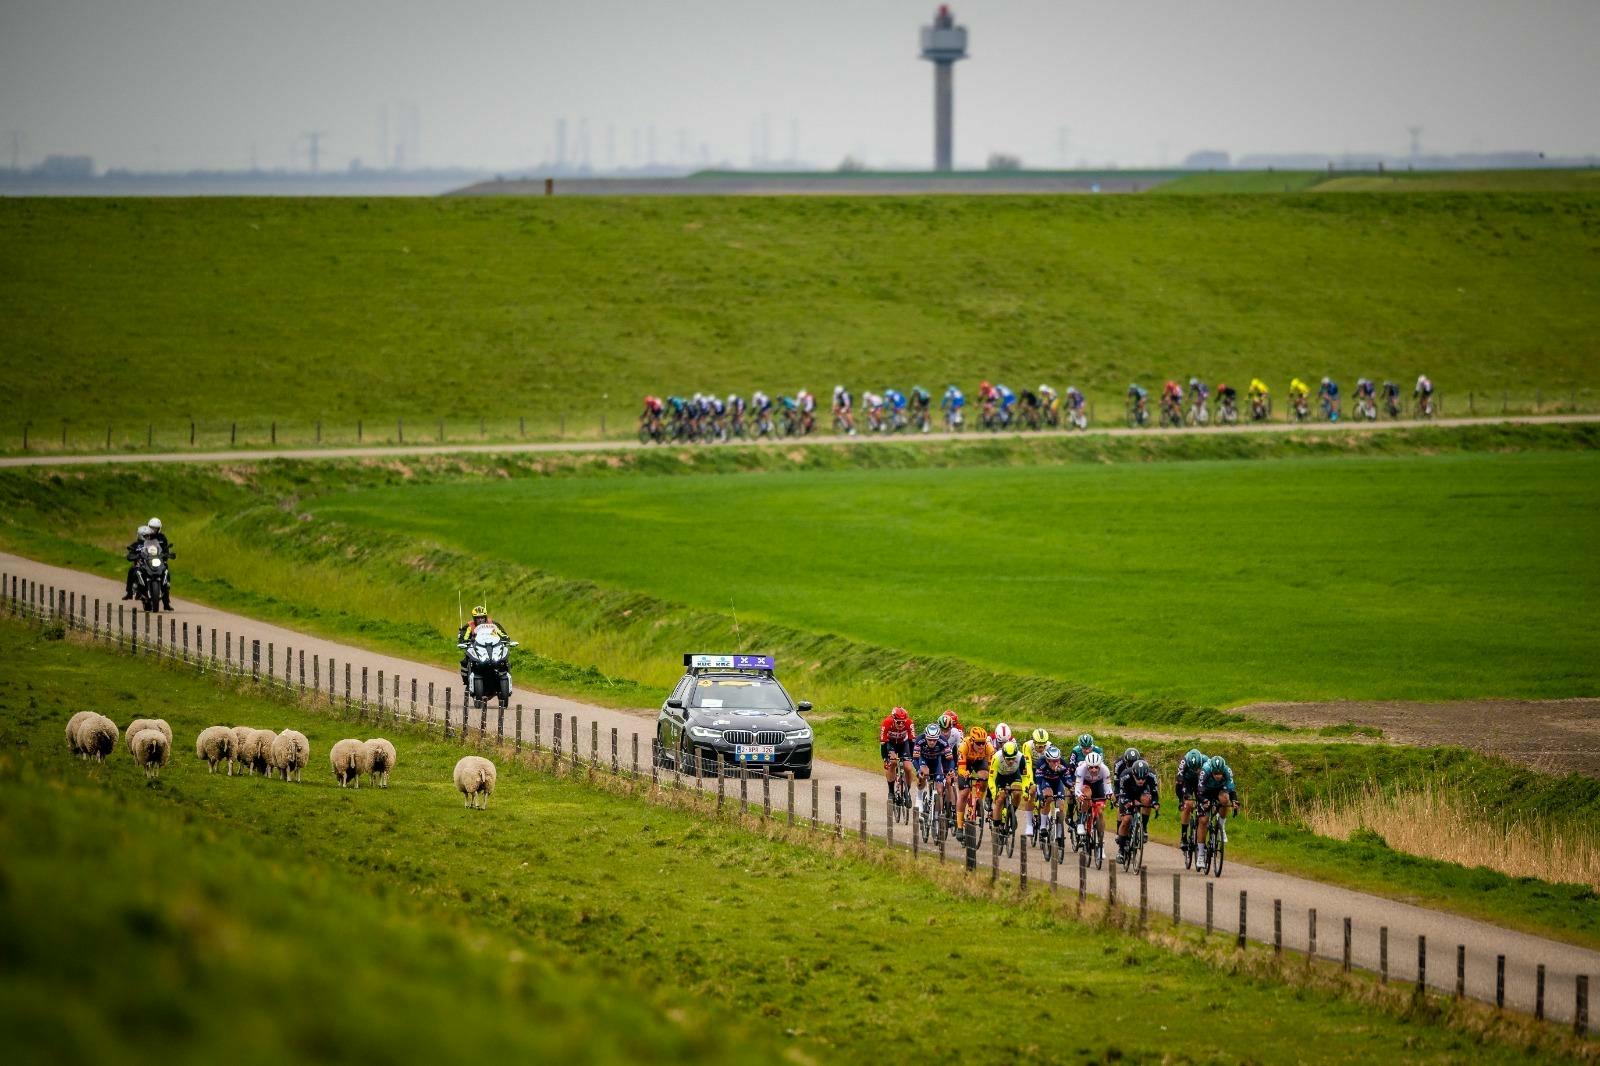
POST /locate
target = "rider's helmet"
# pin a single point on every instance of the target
(1216, 765)
(945, 722)
(144, 531)
(901, 718)
(837, 390)
(1194, 759)
(1194, 382)
(933, 732)
(155, 524)
(1085, 741)
(1052, 754)
(1010, 748)
(1131, 756)
(1141, 770)
(978, 733)
(480, 613)
(1094, 761)
(1002, 733)
(1041, 737)
(1325, 379)
(732, 396)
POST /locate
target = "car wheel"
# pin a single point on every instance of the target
(803, 775)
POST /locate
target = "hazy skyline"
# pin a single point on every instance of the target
(179, 84)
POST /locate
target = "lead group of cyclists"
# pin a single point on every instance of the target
(982, 774)
(1191, 406)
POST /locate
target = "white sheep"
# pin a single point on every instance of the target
(72, 732)
(242, 735)
(260, 750)
(96, 737)
(140, 724)
(289, 754)
(378, 758)
(475, 779)
(151, 749)
(346, 759)
(215, 745)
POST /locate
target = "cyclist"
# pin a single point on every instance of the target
(1423, 394)
(951, 405)
(761, 404)
(714, 412)
(972, 770)
(1328, 397)
(950, 726)
(1094, 790)
(807, 404)
(1006, 399)
(895, 401)
(1199, 394)
(1366, 399)
(1227, 402)
(1028, 407)
(1075, 403)
(1218, 793)
(1049, 404)
(933, 760)
(1013, 773)
(1172, 401)
(1139, 403)
(1260, 400)
(1186, 788)
(1137, 790)
(896, 738)
(1085, 744)
(1299, 393)
(1052, 780)
(736, 409)
(678, 412)
(921, 404)
(652, 410)
(1124, 761)
(841, 409)
(1391, 398)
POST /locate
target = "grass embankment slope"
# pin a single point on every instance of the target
(1396, 181)
(336, 924)
(345, 309)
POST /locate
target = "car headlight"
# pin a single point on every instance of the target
(700, 732)
(798, 734)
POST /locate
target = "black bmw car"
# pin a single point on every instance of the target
(730, 710)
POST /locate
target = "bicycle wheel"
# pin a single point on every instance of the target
(1186, 843)
(1220, 848)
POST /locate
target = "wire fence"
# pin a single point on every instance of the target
(557, 743)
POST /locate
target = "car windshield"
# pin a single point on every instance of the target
(740, 694)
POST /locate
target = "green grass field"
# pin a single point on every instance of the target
(321, 923)
(161, 311)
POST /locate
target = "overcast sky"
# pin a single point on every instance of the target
(205, 83)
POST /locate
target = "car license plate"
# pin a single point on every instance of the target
(754, 752)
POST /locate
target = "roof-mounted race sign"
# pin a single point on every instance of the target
(728, 662)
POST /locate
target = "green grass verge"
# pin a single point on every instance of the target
(389, 308)
(1477, 181)
(564, 920)
(1240, 181)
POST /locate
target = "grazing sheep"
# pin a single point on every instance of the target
(72, 732)
(474, 779)
(289, 754)
(260, 750)
(215, 745)
(140, 724)
(96, 737)
(151, 749)
(346, 759)
(242, 735)
(378, 758)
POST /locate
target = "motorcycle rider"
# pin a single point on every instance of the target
(480, 617)
(151, 530)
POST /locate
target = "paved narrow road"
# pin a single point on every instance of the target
(394, 451)
(206, 627)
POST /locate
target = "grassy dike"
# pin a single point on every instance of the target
(567, 919)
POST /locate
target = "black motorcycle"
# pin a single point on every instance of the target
(488, 666)
(151, 577)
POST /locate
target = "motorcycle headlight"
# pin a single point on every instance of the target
(155, 564)
(700, 732)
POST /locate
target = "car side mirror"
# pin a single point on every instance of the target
(675, 704)
(804, 706)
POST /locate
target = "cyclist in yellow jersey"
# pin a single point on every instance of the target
(1299, 388)
(1012, 772)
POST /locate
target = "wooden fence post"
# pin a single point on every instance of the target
(1383, 954)
(1580, 1012)
(1177, 895)
(791, 801)
(1277, 927)
(636, 755)
(255, 657)
(613, 751)
(1346, 945)
(519, 729)
(1499, 982)
(1144, 897)
(814, 791)
(1538, 992)
(1461, 970)
(1242, 913)
(555, 740)
(1210, 900)
(838, 812)
(1311, 934)
(1422, 965)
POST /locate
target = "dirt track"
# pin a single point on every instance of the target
(1556, 736)
(244, 455)
(861, 790)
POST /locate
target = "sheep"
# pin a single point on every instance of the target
(289, 754)
(346, 759)
(474, 779)
(139, 724)
(72, 732)
(260, 750)
(150, 749)
(215, 745)
(378, 758)
(242, 736)
(96, 737)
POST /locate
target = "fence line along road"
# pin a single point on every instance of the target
(819, 438)
(1528, 973)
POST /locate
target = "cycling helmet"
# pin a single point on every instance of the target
(1052, 754)
(837, 389)
(978, 733)
(1195, 759)
(933, 732)
(945, 722)
(1043, 387)
(1141, 770)
(1216, 765)
(144, 531)
(1086, 741)
(1010, 748)
(1041, 737)
(1094, 759)
(1131, 756)
(1325, 380)
(1002, 733)
(1194, 381)
(900, 716)
(155, 524)
(985, 385)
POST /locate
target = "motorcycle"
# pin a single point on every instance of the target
(150, 574)
(488, 669)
